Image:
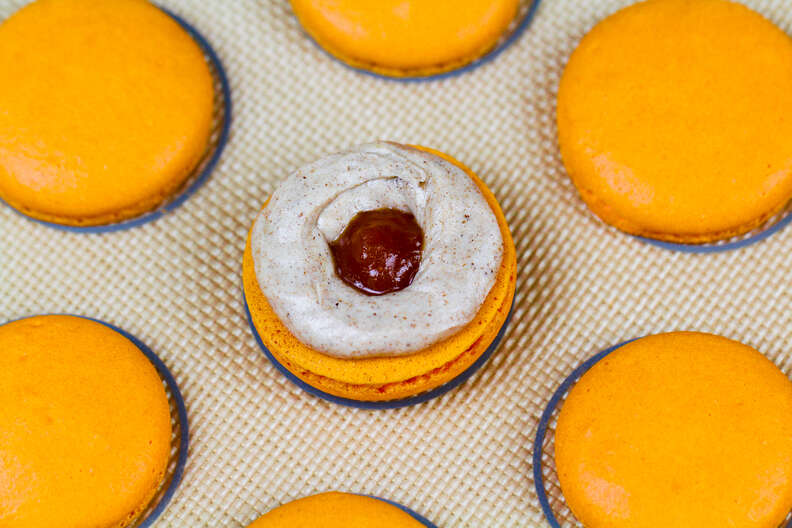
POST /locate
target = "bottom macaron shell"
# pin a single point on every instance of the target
(152, 508)
(551, 501)
(655, 151)
(339, 509)
(170, 197)
(464, 63)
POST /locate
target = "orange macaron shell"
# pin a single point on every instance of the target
(337, 510)
(106, 111)
(411, 38)
(85, 425)
(389, 378)
(682, 429)
(672, 120)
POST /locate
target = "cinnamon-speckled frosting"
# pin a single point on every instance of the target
(463, 249)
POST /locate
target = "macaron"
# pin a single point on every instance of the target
(672, 120)
(368, 375)
(407, 38)
(337, 510)
(105, 112)
(682, 429)
(85, 425)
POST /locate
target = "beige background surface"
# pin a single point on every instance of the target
(463, 459)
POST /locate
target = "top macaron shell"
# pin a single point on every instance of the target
(672, 118)
(108, 111)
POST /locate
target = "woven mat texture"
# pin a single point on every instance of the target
(462, 460)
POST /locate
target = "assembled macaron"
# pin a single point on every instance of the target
(426, 237)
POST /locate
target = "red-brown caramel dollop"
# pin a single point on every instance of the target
(379, 251)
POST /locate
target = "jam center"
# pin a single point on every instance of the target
(379, 251)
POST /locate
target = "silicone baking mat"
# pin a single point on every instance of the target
(461, 460)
